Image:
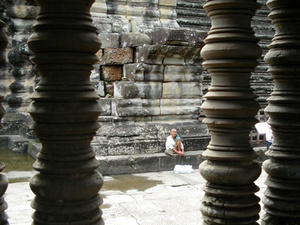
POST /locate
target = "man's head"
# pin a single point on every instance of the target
(173, 133)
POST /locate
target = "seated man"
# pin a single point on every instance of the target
(174, 144)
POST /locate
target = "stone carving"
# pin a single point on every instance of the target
(282, 197)
(230, 55)
(65, 111)
(3, 179)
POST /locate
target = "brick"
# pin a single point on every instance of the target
(117, 56)
(112, 73)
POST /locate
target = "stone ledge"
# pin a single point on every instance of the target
(112, 165)
(18, 144)
(142, 163)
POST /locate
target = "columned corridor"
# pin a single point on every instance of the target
(65, 111)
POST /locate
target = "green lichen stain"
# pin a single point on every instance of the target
(15, 162)
(129, 182)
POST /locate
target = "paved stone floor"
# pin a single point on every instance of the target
(164, 198)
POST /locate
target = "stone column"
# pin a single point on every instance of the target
(65, 111)
(3, 179)
(282, 197)
(230, 55)
(22, 15)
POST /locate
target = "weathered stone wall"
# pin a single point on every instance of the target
(149, 77)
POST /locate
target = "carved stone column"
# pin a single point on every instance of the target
(282, 197)
(65, 111)
(230, 55)
(3, 179)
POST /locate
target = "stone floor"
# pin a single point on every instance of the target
(164, 198)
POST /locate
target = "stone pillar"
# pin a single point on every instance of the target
(230, 55)
(3, 179)
(65, 111)
(282, 197)
(22, 16)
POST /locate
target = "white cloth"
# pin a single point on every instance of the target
(170, 143)
(269, 134)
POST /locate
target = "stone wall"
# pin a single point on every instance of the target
(149, 77)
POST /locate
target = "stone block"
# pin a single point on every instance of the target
(102, 24)
(172, 3)
(151, 54)
(167, 13)
(101, 88)
(181, 90)
(144, 72)
(189, 158)
(113, 165)
(112, 73)
(134, 40)
(117, 56)
(3, 141)
(18, 144)
(144, 25)
(119, 23)
(194, 57)
(177, 37)
(152, 106)
(151, 90)
(180, 106)
(135, 107)
(165, 119)
(169, 24)
(134, 71)
(136, 10)
(125, 89)
(105, 106)
(184, 73)
(109, 40)
(176, 55)
(196, 143)
(136, 2)
(99, 9)
(154, 72)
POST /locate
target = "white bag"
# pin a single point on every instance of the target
(183, 169)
